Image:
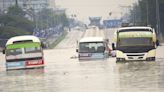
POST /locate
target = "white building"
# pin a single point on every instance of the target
(24, 4)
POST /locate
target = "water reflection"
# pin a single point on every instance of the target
(29, 80)
(139, 77)
(26, 72)
(161, 72)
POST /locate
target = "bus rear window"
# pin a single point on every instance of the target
(13, 51)
(32, 50)
(23, 41)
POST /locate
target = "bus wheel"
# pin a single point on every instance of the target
(151, 59)
(120, 60)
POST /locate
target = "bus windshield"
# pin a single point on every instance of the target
(135, 42)
(17, 51)
(92, 47)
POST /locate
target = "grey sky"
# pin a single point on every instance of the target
(85, 8)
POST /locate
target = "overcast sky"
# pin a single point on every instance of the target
(85, 8)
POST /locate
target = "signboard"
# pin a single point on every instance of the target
(15, 65)
(34, 62)
(112, 23)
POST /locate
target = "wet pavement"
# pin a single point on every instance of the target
(65, 74)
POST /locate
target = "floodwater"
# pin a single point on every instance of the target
(64, 73)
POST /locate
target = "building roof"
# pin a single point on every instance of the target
(23, 38)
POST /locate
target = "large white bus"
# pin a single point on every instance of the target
(92, 48)
(135, 43)
(23, 52)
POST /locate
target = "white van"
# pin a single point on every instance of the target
(92, 48)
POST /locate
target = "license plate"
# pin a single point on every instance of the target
(34, 62)
(85, 55)
(97, 55)
(15, 64)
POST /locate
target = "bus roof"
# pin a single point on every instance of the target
(94, 33)
(92, 39)
(135, 28)
(23, 38)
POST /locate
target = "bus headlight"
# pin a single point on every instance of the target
(151, 53)
(120, 54)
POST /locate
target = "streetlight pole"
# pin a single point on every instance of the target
(16, 2)
(3, 6)
(147, 13)
(158, 18)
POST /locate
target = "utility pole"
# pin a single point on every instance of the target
(147, 12)
(3, 10)
(3, 4)
(158, 18)
(16, 2)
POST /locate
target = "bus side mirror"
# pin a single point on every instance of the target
(3, 51)
(107, 40)
(113, 46)
(104, 48)
(77, 50)
(43, 45)
(157, 42)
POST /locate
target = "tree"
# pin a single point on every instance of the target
(50, 18)
(16, 10)
(14, 23)
(148, 13)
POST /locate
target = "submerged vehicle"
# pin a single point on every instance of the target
(92, 48)
(135, 43)
(23, 52)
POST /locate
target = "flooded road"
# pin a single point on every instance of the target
(62, 73)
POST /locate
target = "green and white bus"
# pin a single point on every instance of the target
(23, 52)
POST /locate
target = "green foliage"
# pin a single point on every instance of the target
(14, 23)
(50, 18)
(147, 10)
(16, 10)
(8, 31)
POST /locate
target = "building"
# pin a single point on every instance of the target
(95, 21)
(36, 5)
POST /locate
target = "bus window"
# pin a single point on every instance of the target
(92, 47)
(135, 42)
(32, 50)
(13, 52)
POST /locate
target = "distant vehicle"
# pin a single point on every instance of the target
(124, 24)
(93, 27)
(93, 48)
(77, 28)
(135, 43)
(23, 52)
